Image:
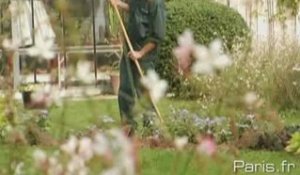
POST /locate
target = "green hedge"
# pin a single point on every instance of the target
(208, 20)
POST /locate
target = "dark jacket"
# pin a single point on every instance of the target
(146, 23)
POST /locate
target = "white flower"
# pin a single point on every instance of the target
(18, 96)
(296, 68)
(210, 59)
(125, 159)
(70, 146)
(10, 45)
(76, 163)
(19, 169)
(216, 48)
(79, 152)
(205, 60)
(101, 145)
(55, 169)
(53, 161)
(203, 67)
(201, 52)
(40, 157)
(83, 71)
(85, 150)
(222, 62)
(157, 88)
(186, 39)
(180, 142)
(121, 139)
(107, 119)
(83, 171)
(43, 49)
(203, 63)
(294, 83)
(250, 98)
(128, 164)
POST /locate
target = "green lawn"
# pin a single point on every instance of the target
(291, 117)
(162, 162)
(79, 115)
(170, 162)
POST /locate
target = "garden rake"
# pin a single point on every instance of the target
(135, 61)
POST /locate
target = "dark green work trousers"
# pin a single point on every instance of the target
(131, 90)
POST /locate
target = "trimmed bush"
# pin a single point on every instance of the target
(208, 20)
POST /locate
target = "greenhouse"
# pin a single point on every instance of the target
(149, 87)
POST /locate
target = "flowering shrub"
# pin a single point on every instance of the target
(185, 123)
(274, 76)
(255, 130)
(198, 58)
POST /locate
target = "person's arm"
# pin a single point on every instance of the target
(148, 47)
(120, 4)
(158, 27)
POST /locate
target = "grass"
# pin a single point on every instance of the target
(161, 162)
(170, 162)
(79, 115)
(291, 117)
(267, 157)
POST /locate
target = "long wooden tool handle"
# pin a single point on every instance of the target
(135, 61)
(127, 39)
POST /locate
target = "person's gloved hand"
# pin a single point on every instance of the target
(135, 55)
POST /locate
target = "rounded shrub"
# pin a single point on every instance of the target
(208, 20)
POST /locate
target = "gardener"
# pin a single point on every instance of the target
(146, 30)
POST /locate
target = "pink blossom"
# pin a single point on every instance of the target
(184, 51)
(85, 150)
(76, 163)
(40, 157)
(198, 58)
(207, 146)
(46, 96)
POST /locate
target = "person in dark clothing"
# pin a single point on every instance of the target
(146, 30)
